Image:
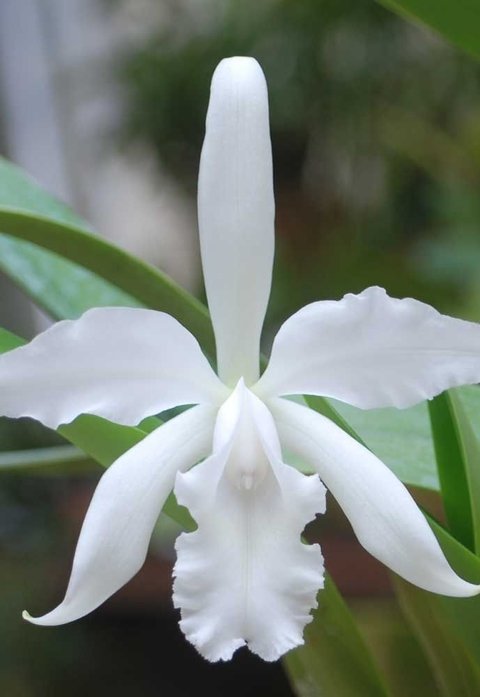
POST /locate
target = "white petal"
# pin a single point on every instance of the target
(116, 532)
(236, 214)
(245, 576)
(119, 363)
(384, 516)
(372, 351)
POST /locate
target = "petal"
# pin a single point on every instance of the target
(236, 214)
(245, 576)
(116, 532)
(384, 516)
(119, 363)
(372, 351)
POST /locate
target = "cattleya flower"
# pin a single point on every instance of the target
(244, 576)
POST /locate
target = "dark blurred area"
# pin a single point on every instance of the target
(376, 139)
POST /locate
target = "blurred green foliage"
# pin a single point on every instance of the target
(376, 136)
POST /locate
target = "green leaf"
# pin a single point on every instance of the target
(9, 341)
(332, 410)
(402, 438)
(63, 289)
(455, 670)
(18, 190)
(58, 459)
(458, 458)
(456, 20)
(145, 283)
(102, 439)
(27, 213)
(334, 661)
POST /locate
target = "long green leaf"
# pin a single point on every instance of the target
(326, 408)
(400, 438)
(61, 459)
(403, 438)
(458, 458)
(457, 20)
(145, 283)
(63, 289)
(30, 214)
(334, 661)
(19, 190)
(456, 672)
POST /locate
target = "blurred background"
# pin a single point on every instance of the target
(376, 143)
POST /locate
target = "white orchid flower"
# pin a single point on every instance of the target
(244, 576)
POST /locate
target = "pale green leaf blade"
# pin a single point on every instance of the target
(332, 410)
(60, 287)
(18, 190)
(147, 285)
(28, 213)
(400, 438)
(63, 289)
